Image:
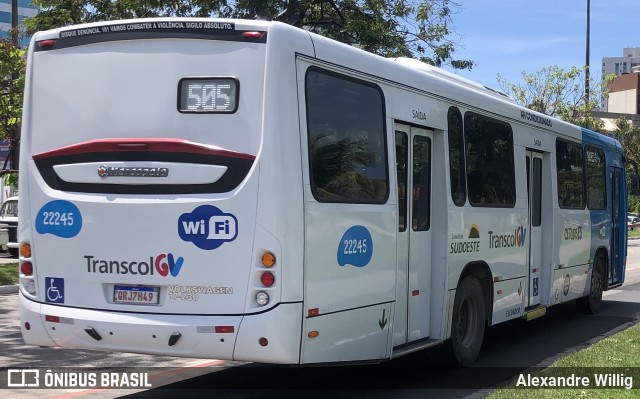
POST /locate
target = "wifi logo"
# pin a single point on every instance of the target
(207, 227)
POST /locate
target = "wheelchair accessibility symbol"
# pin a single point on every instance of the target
(54, 287)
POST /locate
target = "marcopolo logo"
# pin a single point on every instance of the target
(207, 227)
(163, 264)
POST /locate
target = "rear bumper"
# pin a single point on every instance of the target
(236, 338)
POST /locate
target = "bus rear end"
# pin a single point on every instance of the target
(138, 184)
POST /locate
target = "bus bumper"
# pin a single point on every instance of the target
(239, 338)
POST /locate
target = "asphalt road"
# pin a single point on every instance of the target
(509, 349)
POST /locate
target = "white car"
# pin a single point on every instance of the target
(9, 217)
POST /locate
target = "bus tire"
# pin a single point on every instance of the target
(468, 323)
(591, 303)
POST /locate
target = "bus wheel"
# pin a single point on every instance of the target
(590, 304)
(467, 328)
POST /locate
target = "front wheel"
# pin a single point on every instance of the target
(468, 324)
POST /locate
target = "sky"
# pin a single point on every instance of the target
(507, 37)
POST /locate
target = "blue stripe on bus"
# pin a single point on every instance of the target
(603, 218)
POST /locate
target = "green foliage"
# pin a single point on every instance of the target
(629, 136)
(9, 274)
(12, 69)
(556, 92)
(390, 28)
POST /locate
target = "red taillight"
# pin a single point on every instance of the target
(252, 35)
(46, 43)
(267, 279)
(52, 319)
(224, 329)
(26, 268)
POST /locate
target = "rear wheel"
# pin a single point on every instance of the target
(468, 324)
(591, 303)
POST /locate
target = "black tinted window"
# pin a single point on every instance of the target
(347, 148)
(489, 154)
(456, 157)
(569, 164)
(596, 184)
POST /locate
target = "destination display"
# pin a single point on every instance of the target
(208, 95)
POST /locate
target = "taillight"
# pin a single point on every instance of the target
(25, 250)
(252, 35)
(46, 43)
(266, 265)
(268, 259)
(267, 279)
(262, 298)
(26, 268)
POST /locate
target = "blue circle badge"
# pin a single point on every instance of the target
(60, 218)
(355, 247)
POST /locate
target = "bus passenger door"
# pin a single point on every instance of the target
(534, 191)
(413, 169)
(616, 271)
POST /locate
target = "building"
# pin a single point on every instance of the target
(624, 94)
(25, 9)
(623, 100)
(621, 65)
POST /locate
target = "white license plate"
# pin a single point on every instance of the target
(135, 294)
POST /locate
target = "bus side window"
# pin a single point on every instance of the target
(570, 178)
(401, 167)
(421, 183)
(489, 158)
(456, 157)
(347, 144)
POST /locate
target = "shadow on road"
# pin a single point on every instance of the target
(509, 350)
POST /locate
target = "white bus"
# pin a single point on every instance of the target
(248, 190)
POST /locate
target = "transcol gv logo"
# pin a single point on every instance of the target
(207, 227)
(516, 239)
(163, 264)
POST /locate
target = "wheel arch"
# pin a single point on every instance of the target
(601, 258)
(481, 271)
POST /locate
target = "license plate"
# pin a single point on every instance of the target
(135, 294)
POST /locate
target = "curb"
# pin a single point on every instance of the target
(9, 289)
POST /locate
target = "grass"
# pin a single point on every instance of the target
(617, 354)
(634, 233)
(9, 274)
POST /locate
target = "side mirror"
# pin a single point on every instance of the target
(635, 184)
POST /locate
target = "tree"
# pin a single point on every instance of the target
(390, 28)
(12, 73)
(629, 137)
(556, 92)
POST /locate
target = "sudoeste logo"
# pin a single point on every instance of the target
(207, 227)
